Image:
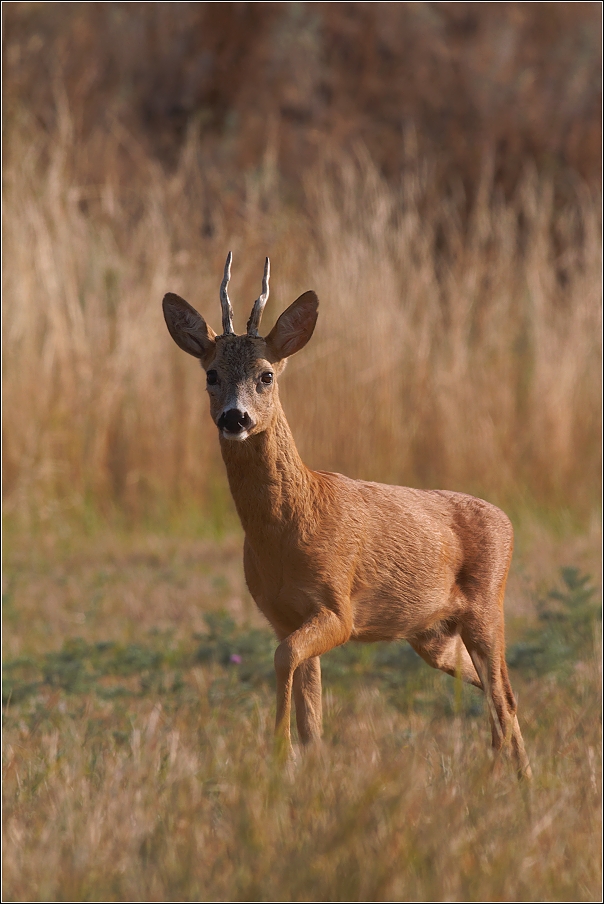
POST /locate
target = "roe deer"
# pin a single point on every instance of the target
(329, 559)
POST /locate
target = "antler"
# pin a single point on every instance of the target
(227, 310)
(254, 321)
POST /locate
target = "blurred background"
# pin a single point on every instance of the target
(431, 170)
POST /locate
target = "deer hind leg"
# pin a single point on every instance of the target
(487, 669)
(492, 669)
(518, 749)
(449, 653)
(316, 636)
(307, 697)
(446, 651)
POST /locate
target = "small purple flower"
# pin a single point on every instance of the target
(235, 657)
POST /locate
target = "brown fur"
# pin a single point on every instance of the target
(328, 559)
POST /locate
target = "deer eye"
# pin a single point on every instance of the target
(267, 378)
(212, 378)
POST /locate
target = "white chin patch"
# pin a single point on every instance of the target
(236, 437)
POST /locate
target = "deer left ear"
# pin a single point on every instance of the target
(294, 327)
(188, 328)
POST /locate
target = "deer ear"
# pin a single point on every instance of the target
(294, 328)
(188, 328)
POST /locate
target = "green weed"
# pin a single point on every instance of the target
(568, 626)
(241, 656)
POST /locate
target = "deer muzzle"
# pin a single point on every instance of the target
(234, 424)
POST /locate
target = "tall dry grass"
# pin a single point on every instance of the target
(447, 354)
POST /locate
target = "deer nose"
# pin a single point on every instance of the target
(234, 421)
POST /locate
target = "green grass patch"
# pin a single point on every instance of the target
(569, 621)
(239, 659)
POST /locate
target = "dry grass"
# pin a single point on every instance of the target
(188, 804)
(159, 782)
(446, 355)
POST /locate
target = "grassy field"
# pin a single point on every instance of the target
(138, 760)
(432, 171)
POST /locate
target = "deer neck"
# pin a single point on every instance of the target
(270, 484)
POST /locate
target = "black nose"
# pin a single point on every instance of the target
(234, 421)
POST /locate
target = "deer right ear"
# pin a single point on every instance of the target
(294, 328)
(188, 328)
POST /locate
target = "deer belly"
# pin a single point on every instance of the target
(381, 614)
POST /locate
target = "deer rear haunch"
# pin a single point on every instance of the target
(328, 559)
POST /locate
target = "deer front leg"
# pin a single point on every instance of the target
(321, 633)
(307, 697)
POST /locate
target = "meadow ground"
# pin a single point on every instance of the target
(446, 209)
(138, 760)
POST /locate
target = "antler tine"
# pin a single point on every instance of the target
(254, 321)
(227, 310)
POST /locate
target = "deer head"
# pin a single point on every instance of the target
(242, 371)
